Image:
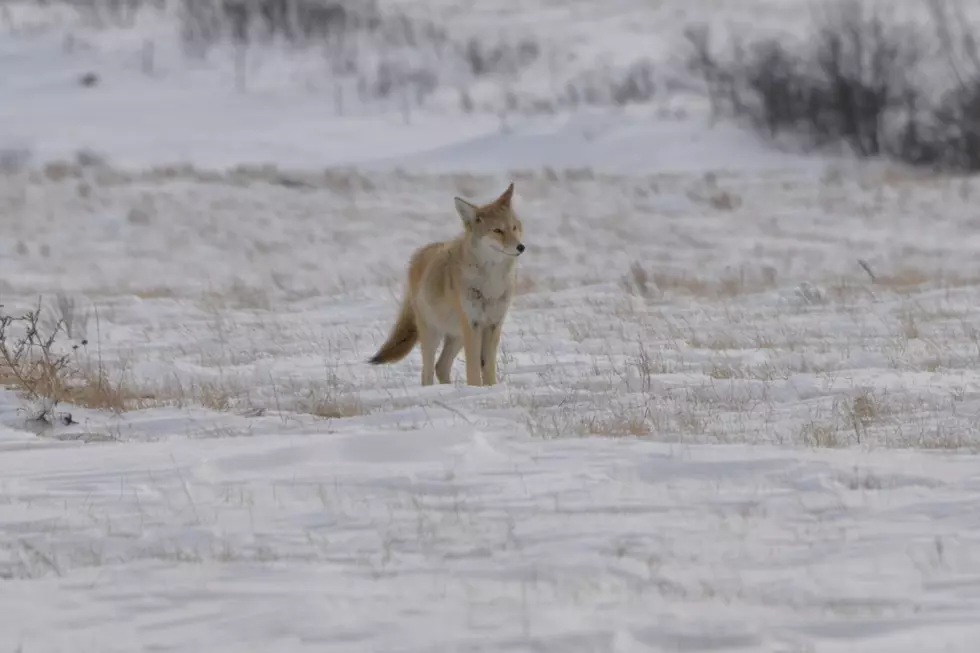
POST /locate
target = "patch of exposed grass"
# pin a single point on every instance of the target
(329, 399)
(33, 364)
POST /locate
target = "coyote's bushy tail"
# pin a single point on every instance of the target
(402, 338)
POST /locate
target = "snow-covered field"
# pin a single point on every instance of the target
(739, 407)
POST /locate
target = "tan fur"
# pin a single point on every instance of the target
(402, 339)
(458, 294)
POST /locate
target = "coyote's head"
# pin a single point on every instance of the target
(494, 227)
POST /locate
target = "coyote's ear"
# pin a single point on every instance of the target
(505, 198)
(466, 211)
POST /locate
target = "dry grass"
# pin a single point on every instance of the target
(215, 395)
(904, 278)
(621, 423)
(618, 421)
(907, 279)
(705, 339)
(41, 380)
(31, 364)
(647, 371)
(822, 435)
(327, 399)
(660, 284)
(741, 371)
(95, 389)
(156, 292)
(237, 296)
(726, 371)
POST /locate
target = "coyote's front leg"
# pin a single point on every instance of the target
(472, 348)
(490, 339)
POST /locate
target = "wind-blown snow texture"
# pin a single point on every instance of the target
(716, 431)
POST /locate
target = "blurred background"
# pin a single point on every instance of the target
(623, 84)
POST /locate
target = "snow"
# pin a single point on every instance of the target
(716, 430)
(136, 121)
(461, 537)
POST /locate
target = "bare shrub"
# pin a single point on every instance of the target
(370, 51)
(496, 58)
(205, 23)
(955, 128)
(633, 84)
(859, 78)
(953, 139)
(847, 83)
(88, 158)
(342, 31)
(109, 13)
(29, 360)
(14, 160)
(31, 363)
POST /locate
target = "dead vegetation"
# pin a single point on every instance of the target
(34, 363)
(662, 283)
(329, 399)
(621, 328)
(868, 80)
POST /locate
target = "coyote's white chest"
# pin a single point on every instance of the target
(487, 292)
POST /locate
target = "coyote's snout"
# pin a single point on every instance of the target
(458, 293)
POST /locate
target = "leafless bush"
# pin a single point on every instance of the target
(29, 359)
(116, 13)
(204, 24)
(848, 82)
(496, 58)
(369, 51)
(719, 78)
(859, 78)
(33, 363)
(955, 136)
(14, 159)
(89, 158)
(633, 84)
(383, 53)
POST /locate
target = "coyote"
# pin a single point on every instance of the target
(458, 292)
